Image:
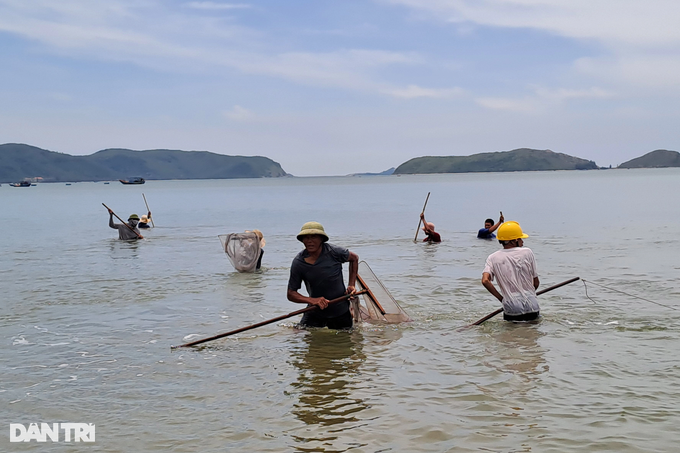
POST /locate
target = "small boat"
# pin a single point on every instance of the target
(135, 180)
(20, 184)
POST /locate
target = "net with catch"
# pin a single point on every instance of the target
(243, 250)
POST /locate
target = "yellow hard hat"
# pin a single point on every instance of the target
(510, 230)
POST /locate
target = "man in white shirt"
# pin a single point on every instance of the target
(514, 268)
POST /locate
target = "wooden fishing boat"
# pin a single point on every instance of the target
(135, 180)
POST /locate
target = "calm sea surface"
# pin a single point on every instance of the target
(87, 321)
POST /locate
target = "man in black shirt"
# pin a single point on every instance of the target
(319, 266)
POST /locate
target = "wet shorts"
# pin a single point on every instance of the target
(522, 317)
(337, 323)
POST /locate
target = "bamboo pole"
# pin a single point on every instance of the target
(139, 236)
(500, 310)
(148, 210)
(264, 323)
(371, 295)
(415, 239)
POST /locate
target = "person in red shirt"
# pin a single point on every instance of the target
(428, 228)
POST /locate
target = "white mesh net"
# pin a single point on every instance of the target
(243, 250)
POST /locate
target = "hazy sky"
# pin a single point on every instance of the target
(345, 86)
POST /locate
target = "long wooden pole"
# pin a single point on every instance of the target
(148, 210)
(371, 295)
(543, 291)
(264, 323)
(124, 223)
(415, 239)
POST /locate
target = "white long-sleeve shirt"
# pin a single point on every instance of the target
(515, 269)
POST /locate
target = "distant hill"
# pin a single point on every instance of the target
(387, 172)
(523, 159)
(19, 161)
(655, 159)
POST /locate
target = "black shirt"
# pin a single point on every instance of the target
(323, 278)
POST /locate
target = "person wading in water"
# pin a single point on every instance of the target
(126, 231)
(489, 228)
(428, 228)
(514, 268)
(319, 266)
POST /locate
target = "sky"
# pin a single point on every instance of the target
(328, 87)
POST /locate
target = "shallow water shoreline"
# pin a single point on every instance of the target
(88, 320)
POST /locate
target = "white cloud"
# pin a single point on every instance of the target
(637, 23)
(350, 69)
(415, 91)
(542, 99)
(564, 94)
(239, 113)
(638, 42)
(149, 34)
(526, 105)
(100, 28)
(659, 72)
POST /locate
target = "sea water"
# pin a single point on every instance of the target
(87, 320)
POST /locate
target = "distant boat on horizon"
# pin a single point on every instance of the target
(135, 180)
(21, 184)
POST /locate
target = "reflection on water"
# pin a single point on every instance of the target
(428, 252)
(125, 250)
(250, 285)
(514, 348)
(328, 363)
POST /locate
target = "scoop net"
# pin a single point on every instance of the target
(243, 250)
(379, 305)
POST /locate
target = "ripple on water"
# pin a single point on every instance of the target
(596, 374)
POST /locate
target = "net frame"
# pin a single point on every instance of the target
(379, 305)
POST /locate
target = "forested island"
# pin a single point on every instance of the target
(523, 159)
(19, 162)
(656, 159)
